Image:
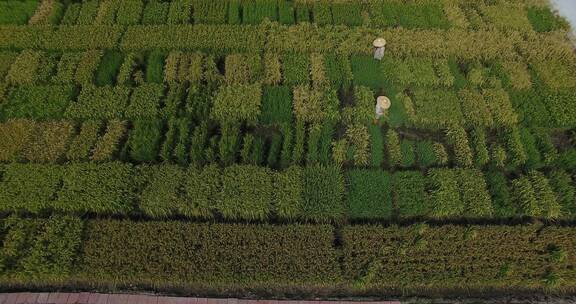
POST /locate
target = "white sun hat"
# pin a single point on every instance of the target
(379, 42)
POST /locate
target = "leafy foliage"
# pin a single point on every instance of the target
(369, 194)
(103, 188)
(144, 140)
(179, 251)
(237, 103)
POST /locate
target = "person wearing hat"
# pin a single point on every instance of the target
(379, 47)
(382, 104)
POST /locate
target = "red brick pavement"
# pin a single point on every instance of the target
(99, 298)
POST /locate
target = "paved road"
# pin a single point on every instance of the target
(99, 298)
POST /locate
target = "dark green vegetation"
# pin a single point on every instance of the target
(230, 148)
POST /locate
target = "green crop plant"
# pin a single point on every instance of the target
(129, 12)
(315, 106)
(393, 148)
(160, 190)
(234, 12)
(338, 71)
(109, 68)
(425, 154)
(445, 194)
(180, 12)
(323, 193)
(287, 143)
(246, 192)
(168, 141)
(198, 143)
(37, 102)
(376, 146)
(274, 151)
(500, 192)
(347, 13)
(66, 68)
(125, 241)
(25, 67)
(243, 68)
(100, 188)
(145, 101)
(419, 14)
(313, 141)
(155, 12)
(562, 184)
(213, 12)
(255, 11)
(544, 20)
(87, 67)
(408, 154)
(533, 156)
(322, 13)
(99, 103)
(515, 147)
(71, 14)
(53, 252)
(295, 69)
(14, 136)
(201, 190)
(545, 195)
(30, 188)
(107, 145)
(199, 101)
(49, 142)
(144, 140)
(154, 66)
(17, 12)
(182, 141)
(457, 137)
(289, 193)
(369, 194)
(83, 143)
(325, 143)
(238, 103)
(229, 143)
(409, 194)
(525, 197)
(367, 72)
(88, 11)
(276, 105)
(302, 14)
(286, 14)
(478, 142)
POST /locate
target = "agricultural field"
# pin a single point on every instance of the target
(229, 148)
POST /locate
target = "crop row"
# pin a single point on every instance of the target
(313, 193)
(237, 192)
(179, 254)
(425, 93)
(183, 141)
(381, 13)
(303, 38)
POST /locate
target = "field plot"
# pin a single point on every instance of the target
(230, 147)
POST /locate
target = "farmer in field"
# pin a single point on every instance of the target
(382, 104)
(379, 48)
